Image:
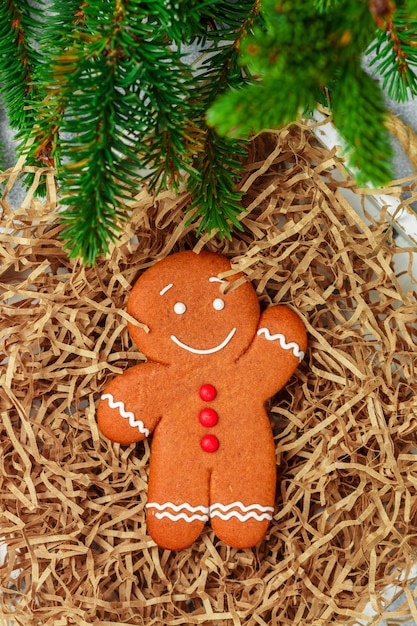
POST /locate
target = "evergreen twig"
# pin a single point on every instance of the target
(125, 92)
(19, 28)
(292, 77)
(219, 159)
(102, 91)
(61, 22)
(396, 55)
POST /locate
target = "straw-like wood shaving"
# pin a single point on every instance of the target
(72, 503)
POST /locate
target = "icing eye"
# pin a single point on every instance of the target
(218, 304)
(179, 308)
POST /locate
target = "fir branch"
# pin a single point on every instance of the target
(89, 185)
(127, 98)
(396, 56)
(324, 6)
(127, 102)
(285, 75)
(171, 137)
(410, 7)
(108, 94)
(360, 116)
(230, 21)
(214, 196)
(58, 34)
(218, 160)
(40, 140)
(291, 79)
(183, 20)
(19, 25)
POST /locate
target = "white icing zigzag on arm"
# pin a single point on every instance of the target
(293, 346)
(134, 423)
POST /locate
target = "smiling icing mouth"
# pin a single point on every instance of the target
(209, 350)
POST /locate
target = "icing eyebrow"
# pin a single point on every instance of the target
(214, 279)
(165, 289)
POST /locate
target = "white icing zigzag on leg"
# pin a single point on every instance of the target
(293, 346)
(253, 511)
(134, 423)
(203, 513)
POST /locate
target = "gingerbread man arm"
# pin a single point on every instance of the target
(129, 407)
(277, 349)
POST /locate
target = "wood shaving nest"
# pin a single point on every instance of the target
(72, 503)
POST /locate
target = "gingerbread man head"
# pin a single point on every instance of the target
(192, 315)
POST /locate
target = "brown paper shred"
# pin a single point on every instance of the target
(72, 504)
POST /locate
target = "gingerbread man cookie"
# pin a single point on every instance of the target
(213, 362)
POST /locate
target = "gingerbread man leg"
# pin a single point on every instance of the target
(178, 500)
(242, 500)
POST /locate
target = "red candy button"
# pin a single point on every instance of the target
(209, 443)
(207, 392)
(208, 417)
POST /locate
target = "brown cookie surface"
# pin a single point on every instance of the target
(213, 361)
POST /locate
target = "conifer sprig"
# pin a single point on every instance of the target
(101, 90)
(218, 159)
(19, 28)
(214, 196)
(59, 29)
(358, 110)
(396, 55)
(125, 95)
(291, 78)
